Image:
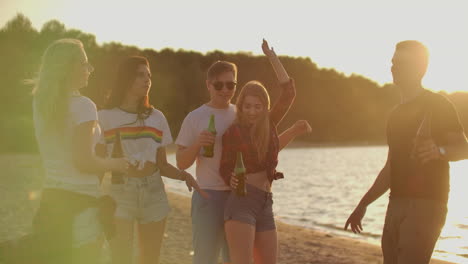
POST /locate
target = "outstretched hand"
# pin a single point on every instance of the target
(355, 220)
(267, 50)
(192, 184)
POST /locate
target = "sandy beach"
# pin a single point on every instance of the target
(20, 187)
(296, 244)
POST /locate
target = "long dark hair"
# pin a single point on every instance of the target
(126, 75)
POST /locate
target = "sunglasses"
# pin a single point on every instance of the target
(218, 85)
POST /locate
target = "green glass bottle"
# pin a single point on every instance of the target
(239, 172)
(208, 151)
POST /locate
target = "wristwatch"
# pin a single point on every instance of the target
(442, 152)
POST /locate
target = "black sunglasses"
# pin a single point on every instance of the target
(218, 85)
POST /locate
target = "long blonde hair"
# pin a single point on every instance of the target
(52, 84)
(260, 131)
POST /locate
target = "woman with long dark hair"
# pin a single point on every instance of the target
(145, 133)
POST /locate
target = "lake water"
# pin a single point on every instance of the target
(323, 185)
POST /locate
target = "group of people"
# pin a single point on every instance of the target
(76, 141)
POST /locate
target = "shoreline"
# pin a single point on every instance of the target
(296, 244)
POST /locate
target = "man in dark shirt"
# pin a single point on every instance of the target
(423, 135)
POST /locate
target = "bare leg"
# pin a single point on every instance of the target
(122, 244)
(240, 237)
(266, 247)
(150, 238)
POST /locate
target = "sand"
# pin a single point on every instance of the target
(296, 244)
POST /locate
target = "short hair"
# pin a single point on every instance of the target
(220, 67)
(416, 48)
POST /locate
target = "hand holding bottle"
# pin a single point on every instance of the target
(428, 150)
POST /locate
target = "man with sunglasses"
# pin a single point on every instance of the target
(208, 212)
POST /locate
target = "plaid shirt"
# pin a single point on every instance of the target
(237, 139)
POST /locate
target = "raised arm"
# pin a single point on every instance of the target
(288, 88)
(281, 73)
(299, 128)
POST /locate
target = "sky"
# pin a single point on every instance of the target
(352, 36)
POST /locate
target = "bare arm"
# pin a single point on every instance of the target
(101, 151)
(172, 172)
(299, 128)
(82, 152)
(380, 186)
(288, 88)
(456, 148)
(186, 156)
(278, 67)
(166, 168)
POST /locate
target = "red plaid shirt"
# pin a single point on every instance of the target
(237, 139)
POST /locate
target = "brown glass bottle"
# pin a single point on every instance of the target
(422, 134)
(417, 178)
(208, 151)
(239, 172)
(117, 152)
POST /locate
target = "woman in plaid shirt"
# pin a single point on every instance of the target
(249, 222)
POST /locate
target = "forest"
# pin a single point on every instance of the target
(341, 109)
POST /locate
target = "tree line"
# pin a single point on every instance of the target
(341, 109)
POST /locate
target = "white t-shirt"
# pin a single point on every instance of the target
(57, 154)
(140, 139)
(207, 170)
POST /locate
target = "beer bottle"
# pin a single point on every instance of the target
(423, 133)
(117, 152)
(417, 178)
(208, 151)
(239, 172)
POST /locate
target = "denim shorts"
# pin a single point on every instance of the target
(256, 208)
(142, 199)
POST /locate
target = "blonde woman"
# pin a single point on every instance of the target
(69, 221)
(249, 222)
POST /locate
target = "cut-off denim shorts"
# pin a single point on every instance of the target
(256, 208)
(142, 199)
